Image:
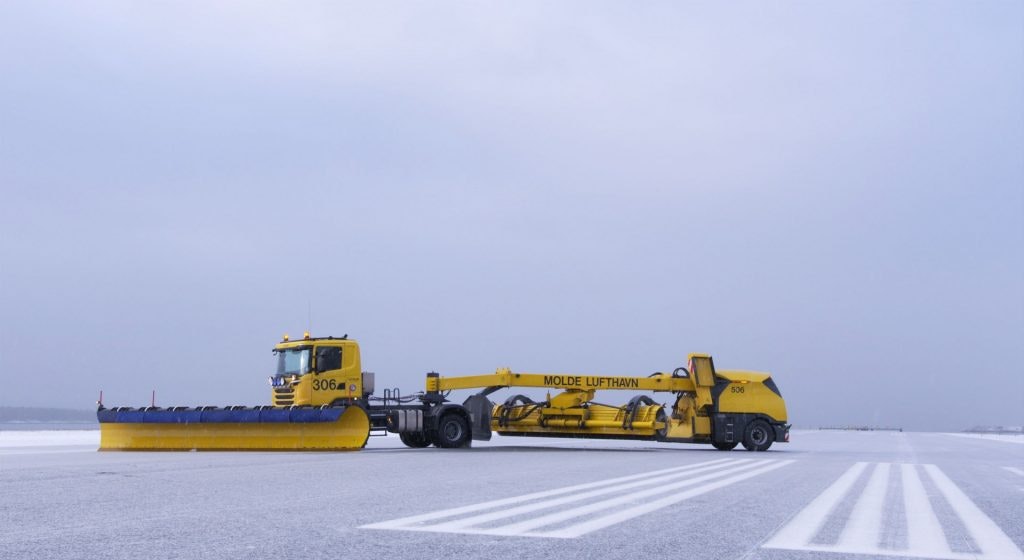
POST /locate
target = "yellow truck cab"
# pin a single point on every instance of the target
(319, 372)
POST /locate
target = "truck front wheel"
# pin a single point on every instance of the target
(452, 431)
(758, 436)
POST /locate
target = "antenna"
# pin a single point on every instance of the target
(309, 315)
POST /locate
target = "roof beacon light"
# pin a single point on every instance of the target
(305, 335)
(285, 337)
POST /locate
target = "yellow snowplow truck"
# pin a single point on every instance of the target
(323, 400)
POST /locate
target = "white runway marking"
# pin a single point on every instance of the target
(924, 532)
(631, 496)
(984, 531)
(862, 530)
(865, 522)
(1015, 470)
(809, 521)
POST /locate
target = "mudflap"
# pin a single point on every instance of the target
(234, 429)
(480, 409)
(781, 432)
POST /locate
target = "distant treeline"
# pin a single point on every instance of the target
(996, 430)
(32, 414)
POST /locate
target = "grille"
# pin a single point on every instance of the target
(284, 396)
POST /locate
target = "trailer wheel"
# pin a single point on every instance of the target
(758, 436)
(452, 431)
(415, 440)
(724, 445)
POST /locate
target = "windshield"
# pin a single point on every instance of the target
(294, 361)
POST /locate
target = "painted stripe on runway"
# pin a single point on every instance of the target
(985, 532)
(636, 511)
(1015, 470)
(527, 527)
(862, 531)
(452, 512)
(802, 528)
(453, 526)
(865, 522)
(555, 522)
(924, 532)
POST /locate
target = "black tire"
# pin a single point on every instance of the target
(724, 446)
(662, 417)
(452, 431)
(758, 436)
(416, 440)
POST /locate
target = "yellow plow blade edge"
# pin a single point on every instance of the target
(349, 432)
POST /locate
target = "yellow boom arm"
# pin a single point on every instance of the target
(505, 377)
(698, 381)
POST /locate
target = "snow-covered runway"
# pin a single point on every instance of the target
(829, 494)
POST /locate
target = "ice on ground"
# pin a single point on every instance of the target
(1010, 438)
(49, 438)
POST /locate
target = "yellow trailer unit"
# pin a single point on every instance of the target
(723, 408)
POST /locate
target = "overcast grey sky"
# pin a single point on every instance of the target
(830, 191)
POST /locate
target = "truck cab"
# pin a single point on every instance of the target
(318, 372)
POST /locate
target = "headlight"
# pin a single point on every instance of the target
(271, 380)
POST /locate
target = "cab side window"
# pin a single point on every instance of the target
(328, 358)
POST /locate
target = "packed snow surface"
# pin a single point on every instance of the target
(1008, 438)
(827, 495)
(42, 438)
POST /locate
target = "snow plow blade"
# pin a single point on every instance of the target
(264, 428)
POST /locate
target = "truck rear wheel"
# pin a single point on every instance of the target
(415, 440)
(758, 436)
(452, 431)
